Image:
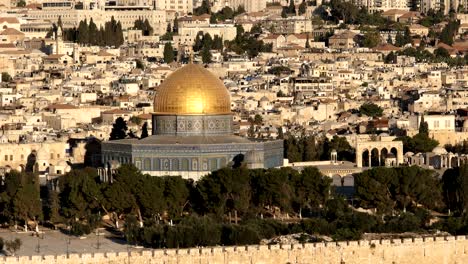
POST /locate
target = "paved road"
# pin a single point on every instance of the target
(54, 242)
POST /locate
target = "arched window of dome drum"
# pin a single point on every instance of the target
(147, 164)
(156, 164)
(194, 164)
(213, 164)
(175, 165)
(185, 165)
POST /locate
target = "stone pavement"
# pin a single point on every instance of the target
(54, 242)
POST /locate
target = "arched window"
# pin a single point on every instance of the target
(185, 165)
(156, 164)
(213, 164)
(194, 164)
(147, 164)
(175, 164)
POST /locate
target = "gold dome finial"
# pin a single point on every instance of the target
(191, 57)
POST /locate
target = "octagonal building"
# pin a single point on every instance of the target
(192, 132)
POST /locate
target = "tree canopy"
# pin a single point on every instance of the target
(371, 110)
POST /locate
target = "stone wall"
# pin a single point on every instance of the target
(444, 250)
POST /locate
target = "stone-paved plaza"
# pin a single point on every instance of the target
(54, 242)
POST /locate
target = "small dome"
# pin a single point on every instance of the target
(264, 99)
(439, 151)
(384, 134)
(409, 153)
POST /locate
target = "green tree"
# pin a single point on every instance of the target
(119, 129)
(12, 246)
(423, 127)
(258, 119)
(341, 146)
(83, 37)
(311, 189)
(144, 130)
(198, 45)
(226, 191)
(302, 8)
(449, 31)
(455, 188)
(131, 229)
(217, 43)
(205, 8)
(21, 197)
(175, 27)
(148, 29)
(389, 39)
(307, 44)
(80, 195)
(6, 77)
(390, 58)
(291, 8)
(206, 55)
(371, 39)
(371, 110)
(168, 53)
(93, 33)
(213, 18)
(402, 188)
(441, 53)
(21, 3)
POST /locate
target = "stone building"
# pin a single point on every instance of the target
(192, 132)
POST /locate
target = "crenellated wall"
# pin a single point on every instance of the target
(446, 250)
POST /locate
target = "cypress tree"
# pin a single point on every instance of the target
(198, 42)
(307, 44)
(175, 27)
(119, 35)
(148, 28)
(144, 130)
(291, 7)
(93, 33)
(83, 32)
(168, 53)
(206, 54)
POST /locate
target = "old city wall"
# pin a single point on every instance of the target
(445, 250)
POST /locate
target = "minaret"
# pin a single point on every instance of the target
(58, 40)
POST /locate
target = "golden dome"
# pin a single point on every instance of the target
(192, 90)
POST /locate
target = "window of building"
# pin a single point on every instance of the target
(147, 164)
(185, 165)
(6, 157)
(175, 164)
(11, 157)
(156, 164)
(213, 164)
